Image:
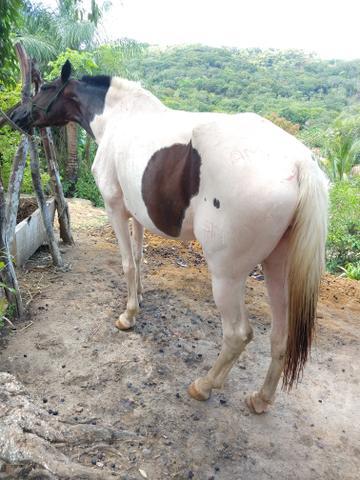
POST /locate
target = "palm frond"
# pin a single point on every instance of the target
(38, 48)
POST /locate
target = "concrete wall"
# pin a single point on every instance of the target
(30, 235)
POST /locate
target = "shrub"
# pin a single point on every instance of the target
(352, 270)
(343, 245)
(85, 185)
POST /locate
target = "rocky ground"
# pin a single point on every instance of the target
(90, 401)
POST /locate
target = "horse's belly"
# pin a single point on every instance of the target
(138, 210)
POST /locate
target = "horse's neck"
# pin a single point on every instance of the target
(129, 97)
(125, 98)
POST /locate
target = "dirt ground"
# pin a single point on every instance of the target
(80, 368)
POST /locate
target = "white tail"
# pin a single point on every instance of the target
(305, 266)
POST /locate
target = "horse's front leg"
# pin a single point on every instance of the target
(138, 236)
(119, 218)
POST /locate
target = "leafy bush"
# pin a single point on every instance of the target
(82, 63)
(342, 146)
(9, 139)
(343, 245)
(86, 187)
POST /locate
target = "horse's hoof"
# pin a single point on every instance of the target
(196, 394)
(123, 323)
(256, 404)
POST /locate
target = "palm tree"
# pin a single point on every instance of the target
(45, 34)
(343, 147)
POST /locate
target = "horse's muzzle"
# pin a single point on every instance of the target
(21, 117)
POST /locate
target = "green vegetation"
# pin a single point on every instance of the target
(315, 100)
(10, 17)
(343, 245)
(296, 86)
(352, 270)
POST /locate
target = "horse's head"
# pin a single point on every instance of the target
(54, 104)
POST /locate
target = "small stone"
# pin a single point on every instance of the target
(143, 473)
(100, 464)
(191, 474)
(93, 461)
(146, 451)
(45, 400)
(178, 395)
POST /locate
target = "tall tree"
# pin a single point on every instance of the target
(45, 34)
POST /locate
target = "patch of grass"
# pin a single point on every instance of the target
(352, 270)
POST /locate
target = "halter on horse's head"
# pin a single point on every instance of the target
(52, 105)
(63, 100)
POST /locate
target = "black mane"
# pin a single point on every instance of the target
(97, 81)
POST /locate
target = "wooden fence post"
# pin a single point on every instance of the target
(45, 213)
(15, 181)
(7, 273)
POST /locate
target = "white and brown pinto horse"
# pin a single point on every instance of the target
(249, 192)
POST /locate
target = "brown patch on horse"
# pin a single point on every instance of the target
(170, 180)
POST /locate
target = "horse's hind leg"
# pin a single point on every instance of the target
(237, 332)
(275, 276)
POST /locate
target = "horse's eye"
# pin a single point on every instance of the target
(46, 87)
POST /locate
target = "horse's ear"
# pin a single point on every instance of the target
(66, 71)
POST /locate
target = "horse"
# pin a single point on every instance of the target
(249, 192)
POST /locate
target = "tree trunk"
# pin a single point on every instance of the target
(87, 149)
(61, 205)
(35, 174)
(71, 167)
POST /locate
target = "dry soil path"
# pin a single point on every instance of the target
(76, 364)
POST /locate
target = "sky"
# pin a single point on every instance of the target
(329, 28)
